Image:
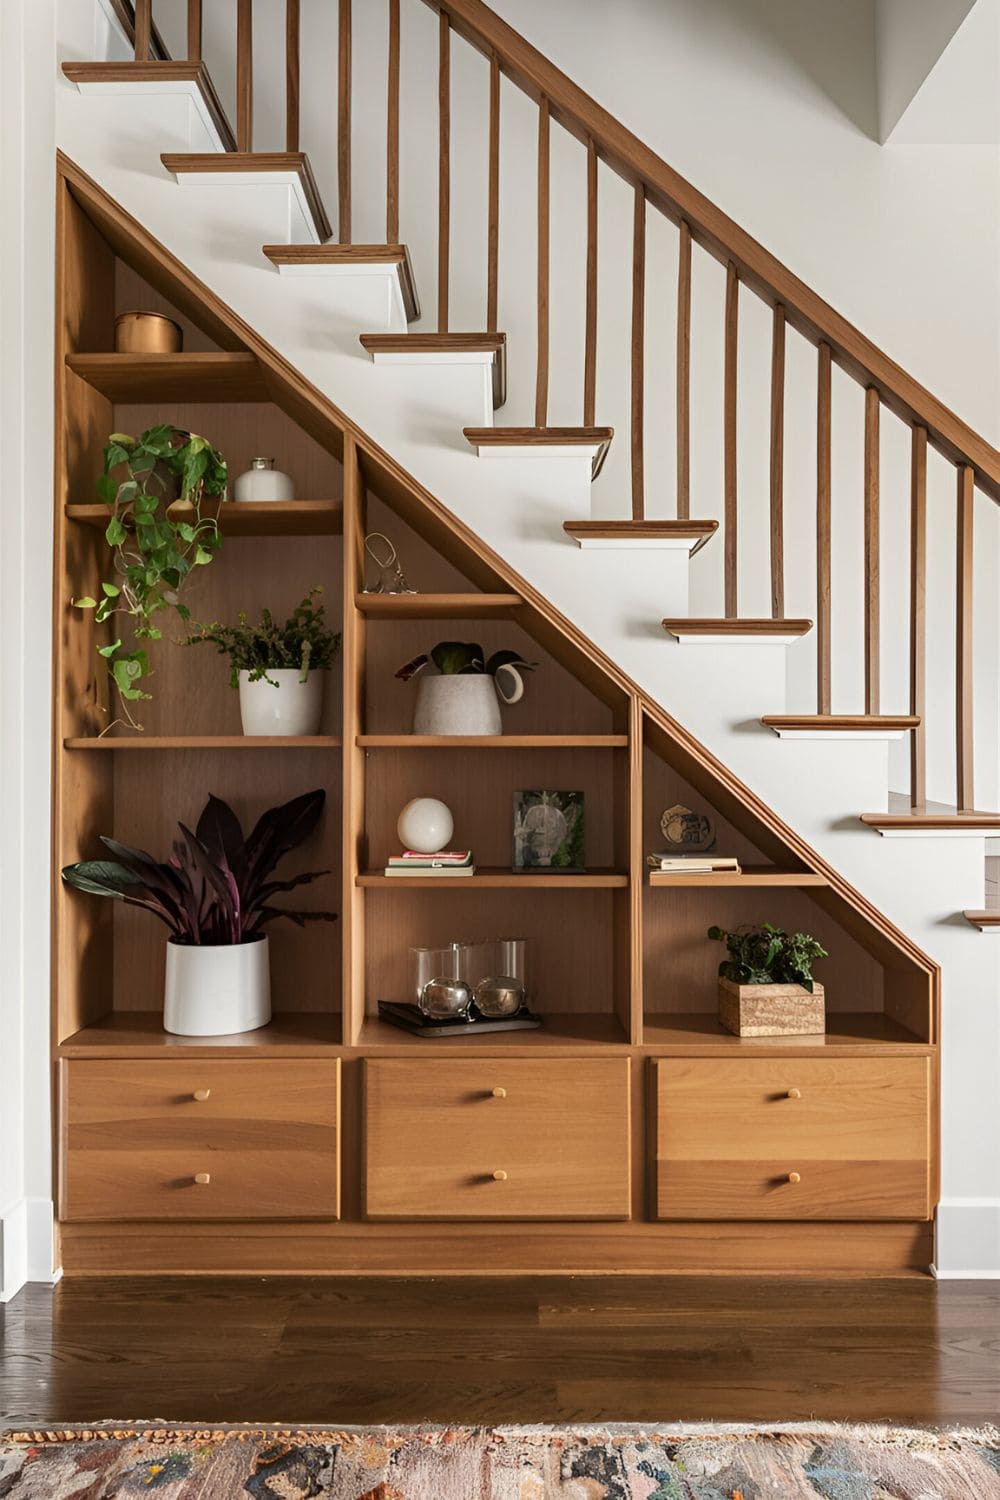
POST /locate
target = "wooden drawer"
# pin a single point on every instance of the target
(439, 1134)
(732, 1135)
(136, 1138)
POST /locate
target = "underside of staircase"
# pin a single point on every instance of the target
(324, 330)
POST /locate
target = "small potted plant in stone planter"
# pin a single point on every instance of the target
(214, 896)
(766, 986)
(461, 696)
(279, 669)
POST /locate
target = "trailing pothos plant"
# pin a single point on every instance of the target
(152, 551)
(767, 955)
(216, 887)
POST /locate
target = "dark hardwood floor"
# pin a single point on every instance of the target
(472, 1350)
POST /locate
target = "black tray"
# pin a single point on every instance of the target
(411, 1018)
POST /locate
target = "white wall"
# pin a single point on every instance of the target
(27, 146)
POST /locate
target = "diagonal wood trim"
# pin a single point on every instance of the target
(699, 765)
(873, 722)
(333, 254)
(181, 162)
(447, 343)
(722, 237)
(159, 72)
(545, 437)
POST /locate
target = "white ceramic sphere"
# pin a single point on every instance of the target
(425, 825)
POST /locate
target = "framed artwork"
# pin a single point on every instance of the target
(548, 831)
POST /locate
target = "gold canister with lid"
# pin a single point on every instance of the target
(147, 333)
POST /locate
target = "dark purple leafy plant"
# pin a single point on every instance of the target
(216, 888)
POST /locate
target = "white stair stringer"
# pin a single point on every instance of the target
(518, 508)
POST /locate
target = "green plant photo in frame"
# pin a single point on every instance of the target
(548, 831)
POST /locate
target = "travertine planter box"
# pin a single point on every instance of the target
(771, 1009)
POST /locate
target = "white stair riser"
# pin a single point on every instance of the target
(364, 298)
(237, 192)
(449, 395)
(200, 134)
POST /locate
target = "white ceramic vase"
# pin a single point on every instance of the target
(217, 991)
(262, 481)
(462, 703)
(293, 707)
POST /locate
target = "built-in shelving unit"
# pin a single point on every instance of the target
(621, 967)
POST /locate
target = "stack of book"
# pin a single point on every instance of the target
(446, 862)
(668, 863)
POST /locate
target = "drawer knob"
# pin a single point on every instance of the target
(499, 1175)
(203, 1178)
(201, 1095)
(794, 1177)
(795, 1093)
(499, 1093)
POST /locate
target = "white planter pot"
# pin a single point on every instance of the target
(293, 707)
(457, 705)
(217, 991)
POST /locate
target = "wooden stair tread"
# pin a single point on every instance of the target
(959, 820)
(984, 920)
(182, 163)
(494, 344)
(598, 438)
(722, 627)
(156, 72)
(335, 254)
(697, 532)
(833, 722)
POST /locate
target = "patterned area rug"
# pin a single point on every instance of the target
(530, 1463)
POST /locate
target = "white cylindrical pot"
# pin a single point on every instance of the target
(217, 991)
(262, 481)
(293, 707)
(459, 704)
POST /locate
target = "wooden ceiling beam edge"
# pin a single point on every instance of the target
(722, 237)
(490, 565)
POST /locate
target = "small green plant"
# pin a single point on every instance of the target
(152, 552)
(457, 658)
(304, 641)
(766, 955)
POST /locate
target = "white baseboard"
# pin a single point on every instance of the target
(968, 1240)
(26, 1246)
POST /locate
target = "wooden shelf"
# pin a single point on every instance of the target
(507, 880)
(140, 1033)
(750, 876)
(575, 1030)
(438, 606)
(862, 1031)
(245, 517)
(204, 742)
(492, 741)
(172, 377)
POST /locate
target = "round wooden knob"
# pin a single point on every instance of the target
(795, 1093)
(499, 1093)
(794, 1177)
(201, 1095)
(499, 1175)
(203, 1178)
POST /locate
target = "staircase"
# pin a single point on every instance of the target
(886, 788)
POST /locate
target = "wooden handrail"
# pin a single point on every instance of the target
(723, 238)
